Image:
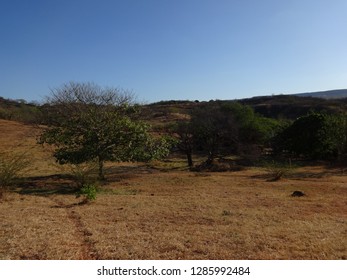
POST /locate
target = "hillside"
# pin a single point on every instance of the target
(293, 106)
(161, 113)
(329, 94)
(277, 106)
(18, 110)
(162, 211)
(21, 139)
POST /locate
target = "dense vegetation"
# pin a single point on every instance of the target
(282, 126)
(19, 110)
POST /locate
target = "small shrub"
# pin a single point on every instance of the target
(277, 171)
(83, 174)
(12, 166)
(89, 192)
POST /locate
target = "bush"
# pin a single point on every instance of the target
(314, 136)
(82, 174)
(277, 171)
(12, 166)
(89, 192)
(85, 176)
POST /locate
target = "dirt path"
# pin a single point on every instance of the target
(81, 234)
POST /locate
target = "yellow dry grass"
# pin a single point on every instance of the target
(19, 138)
(145, 213)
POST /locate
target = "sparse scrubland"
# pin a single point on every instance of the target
(94, 177)
(162, 211)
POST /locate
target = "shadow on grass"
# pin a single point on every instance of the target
(46, 185)
(304, 174)
(67, 206)
(137, 169)
(119, 173)
(317, 175)
(166, 165)
(64, 184)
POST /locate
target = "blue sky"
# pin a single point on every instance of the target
(173, 49)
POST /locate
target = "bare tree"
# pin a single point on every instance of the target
(183, 132)
(213, 131)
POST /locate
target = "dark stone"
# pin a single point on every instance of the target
(298, 193)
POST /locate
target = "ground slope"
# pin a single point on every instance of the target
(162, 211)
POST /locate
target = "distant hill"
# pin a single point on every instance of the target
(18, 110)
(164, 113)
(293, 106)
(329, 94)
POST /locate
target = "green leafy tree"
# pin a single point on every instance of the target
(316, 136)
(252, 128)
(86, 122)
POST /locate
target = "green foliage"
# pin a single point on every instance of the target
(86, 123)
(333, 135)
(253, 128)
(89, 191)
(156, 148)
(19, 110)
(226, 128)
(292, 107)
(316, 136)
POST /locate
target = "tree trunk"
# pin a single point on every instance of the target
(189, 158)
(101, 169)
(210, 158)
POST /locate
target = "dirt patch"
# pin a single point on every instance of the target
(82, 234)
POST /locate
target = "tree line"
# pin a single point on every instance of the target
(230, 128)
(85, 122)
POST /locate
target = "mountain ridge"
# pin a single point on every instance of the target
(327, 94)
(288, 106)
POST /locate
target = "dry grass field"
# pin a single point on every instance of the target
(161, 211)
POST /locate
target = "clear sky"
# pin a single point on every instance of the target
(173, 49)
